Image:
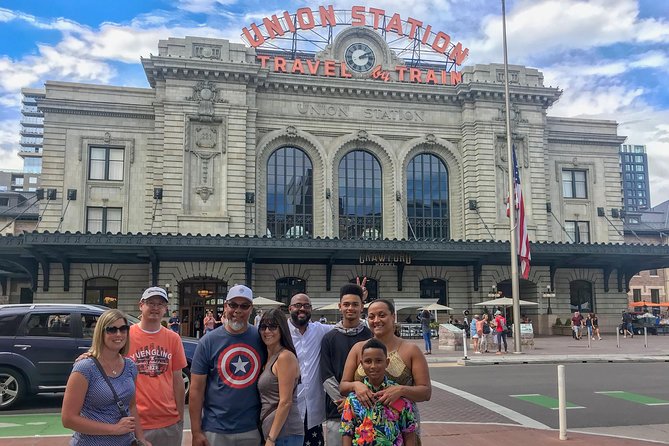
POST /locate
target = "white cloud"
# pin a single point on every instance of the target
(203, 6)
(9, 143)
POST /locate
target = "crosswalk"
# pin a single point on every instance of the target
(549, 402)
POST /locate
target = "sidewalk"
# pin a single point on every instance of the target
(561, 349)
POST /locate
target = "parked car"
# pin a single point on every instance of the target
(39, 343)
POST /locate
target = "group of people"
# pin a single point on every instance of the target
(588, 324)
(301, 382)
(482, 329)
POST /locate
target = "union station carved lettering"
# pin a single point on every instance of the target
(369, 113)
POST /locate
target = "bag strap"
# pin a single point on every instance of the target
(119, 404)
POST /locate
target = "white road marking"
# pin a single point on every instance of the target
(504, 411)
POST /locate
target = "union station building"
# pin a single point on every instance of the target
(234, 166)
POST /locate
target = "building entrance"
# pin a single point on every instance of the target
(196, 297)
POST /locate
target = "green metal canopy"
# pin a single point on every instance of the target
(22, 255)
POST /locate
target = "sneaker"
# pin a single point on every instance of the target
(477, 352)
(593, 338)
(600, 339)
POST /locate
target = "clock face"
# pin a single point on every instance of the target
(359, 57)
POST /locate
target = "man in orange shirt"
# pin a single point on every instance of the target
(159, 356)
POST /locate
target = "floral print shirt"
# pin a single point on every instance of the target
(379, 425)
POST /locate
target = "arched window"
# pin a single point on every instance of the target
(290, 193)
(360, 203)
(427, 197)
(580, 292)
(101, 291)
(434, 289)
(287, 287)
(372, 287)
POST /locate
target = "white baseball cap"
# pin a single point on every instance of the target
(154, 291)
(240, 291)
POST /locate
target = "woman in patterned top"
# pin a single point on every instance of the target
(89, 406)
(407, 365)
(378, 425)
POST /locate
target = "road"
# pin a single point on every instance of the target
(625, 399)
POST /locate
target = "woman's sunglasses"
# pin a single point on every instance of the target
(270, 327)
(113, 330)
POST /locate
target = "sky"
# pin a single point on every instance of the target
(611, 57)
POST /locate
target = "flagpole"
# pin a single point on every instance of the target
(515, 289)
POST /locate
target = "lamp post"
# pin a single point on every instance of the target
(548, 294)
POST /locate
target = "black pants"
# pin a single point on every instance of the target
(313, 436)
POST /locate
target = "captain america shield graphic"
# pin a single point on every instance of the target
(239, 366)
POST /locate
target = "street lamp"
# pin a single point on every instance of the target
(493, 294)
(548, 294)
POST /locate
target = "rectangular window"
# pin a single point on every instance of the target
(574, 184)
(103, 220)
(640, 168)
(638, 158)
(578, 231)
(32, 180)
(652, 272)
(636, 294)
(641, 177)
(4, 201)
(634, 220)
(628, 176)
(106, 163)
(655, 295)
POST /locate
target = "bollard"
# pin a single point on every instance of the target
(618, 337)
(645, 337)
(562, 403)
(464, 342)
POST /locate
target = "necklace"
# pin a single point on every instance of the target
(113, 368)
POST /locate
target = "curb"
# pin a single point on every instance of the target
(560, 359)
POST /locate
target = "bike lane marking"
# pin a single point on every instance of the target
(32, 425)
(545, 401)
(511, 414)
(634, 397)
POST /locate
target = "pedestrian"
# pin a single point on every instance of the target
(334, 349)
(159, 356)
(485, 333)
(425, 320)
(588, 326)
(307, 337)
(257, 318)
(474, 333)
(595, 326)
(90, 405)
(407, 367)
(224, 404)
(277, 384)
(209, 322)
(627, 324)
(576, 322)
(174, 322)
(500, 330)
(377, 424)
(323, 320)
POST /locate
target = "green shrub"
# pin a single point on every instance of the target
(558, 321)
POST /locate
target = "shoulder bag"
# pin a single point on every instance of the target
(119, 403)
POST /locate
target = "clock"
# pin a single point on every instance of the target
(359, 57)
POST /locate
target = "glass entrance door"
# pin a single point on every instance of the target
(197, 296)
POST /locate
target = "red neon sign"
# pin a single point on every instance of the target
(307, 18)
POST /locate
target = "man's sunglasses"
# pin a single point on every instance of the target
(270, 327)
(113, 330)
(235, 305)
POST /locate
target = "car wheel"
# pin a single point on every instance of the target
(12, 387)
(185, 373)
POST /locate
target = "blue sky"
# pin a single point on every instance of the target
(611, 57)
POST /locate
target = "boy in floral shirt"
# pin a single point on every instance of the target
(379, 425)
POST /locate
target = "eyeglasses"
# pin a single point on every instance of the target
(235, 305)
(301, 306)
(113, 330)
(155, 304)
(270, 327)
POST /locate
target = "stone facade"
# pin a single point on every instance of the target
(203, 133)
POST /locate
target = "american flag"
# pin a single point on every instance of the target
(521, 222)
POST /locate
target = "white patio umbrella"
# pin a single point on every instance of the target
(504, 302)
(261, 302)
(329, 307)
(436, 307)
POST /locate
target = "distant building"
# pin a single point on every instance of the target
(18, 181)
(32, 132)
(636, 187)
(649, 227)
(18, 212)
